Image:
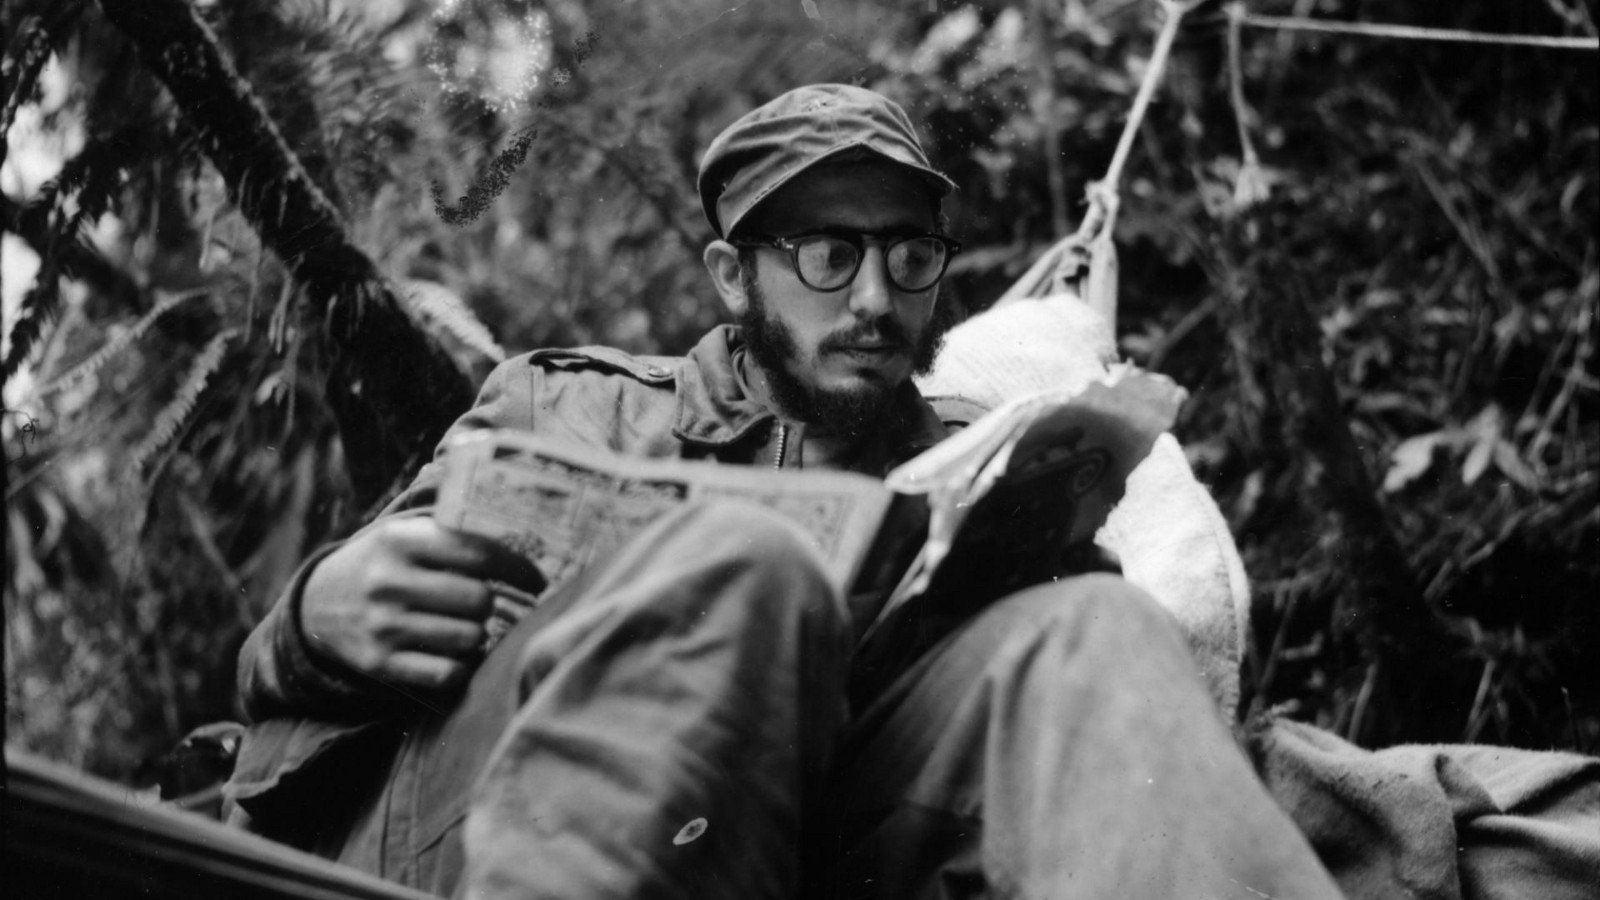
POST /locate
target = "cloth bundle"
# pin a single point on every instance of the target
(1167, 532)
(1438, 822)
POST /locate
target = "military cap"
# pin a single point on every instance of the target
(768, 146)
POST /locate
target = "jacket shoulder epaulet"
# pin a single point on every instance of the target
(652, 370)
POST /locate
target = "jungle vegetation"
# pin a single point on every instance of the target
(258, 254)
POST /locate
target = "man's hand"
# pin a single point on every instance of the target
(405, 601)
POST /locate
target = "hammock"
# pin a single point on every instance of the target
(1085, 263)
(1054, 328)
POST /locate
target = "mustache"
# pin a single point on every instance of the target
(884, 330)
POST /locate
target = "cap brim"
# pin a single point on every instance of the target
(939, 185)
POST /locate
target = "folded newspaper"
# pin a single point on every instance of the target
(1003, 500)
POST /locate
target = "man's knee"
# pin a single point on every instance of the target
(1096, 615)
(1095, 600)
(725, 566)
(746, 543)
(746, 531)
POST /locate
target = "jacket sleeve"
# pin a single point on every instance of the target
(278, 672)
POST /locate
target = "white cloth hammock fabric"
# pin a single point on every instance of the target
(1054, 329)
(1167, 531)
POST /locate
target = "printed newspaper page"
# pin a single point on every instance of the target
(564, 506)
(1001, 499)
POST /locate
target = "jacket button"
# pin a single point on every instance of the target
(656, 372)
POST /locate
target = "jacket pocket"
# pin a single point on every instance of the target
(300, 780)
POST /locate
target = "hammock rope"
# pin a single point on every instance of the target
(1418, 33)
(1085, 262)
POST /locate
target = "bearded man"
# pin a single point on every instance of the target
(693, 717)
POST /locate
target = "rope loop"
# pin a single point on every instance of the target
(1090, 249)
(1085, 261)
(1102, 211)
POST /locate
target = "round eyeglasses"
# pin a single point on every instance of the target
(828, 261)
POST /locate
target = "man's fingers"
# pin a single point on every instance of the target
(431, 545)
(436, 634)
(423, 671)
(424, 542)
(507, 566)
(445, 593)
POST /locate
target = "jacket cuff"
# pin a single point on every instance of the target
(280, 674)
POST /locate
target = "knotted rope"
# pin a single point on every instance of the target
(1085, 262)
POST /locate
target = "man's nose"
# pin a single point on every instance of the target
(870, 293)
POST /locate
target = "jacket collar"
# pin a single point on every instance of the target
(714, 411)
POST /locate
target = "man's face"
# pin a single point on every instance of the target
(835, 358)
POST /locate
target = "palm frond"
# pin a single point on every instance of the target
(173, 416)
(37, 309)
(93, 176)
(436, 306)
(34, 41)
(19, 73)
(97, 360)
(30, 48)
(77, 257)
(387, 425)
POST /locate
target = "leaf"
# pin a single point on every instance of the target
(97, 360)
(37, 309)
(1484, 432)
(1477, 461)
(1251, 186)
(431, 303)
(22, 74)
(1509, 461)
(176, 412)
(1410, 461)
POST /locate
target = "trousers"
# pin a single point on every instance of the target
(692, 719)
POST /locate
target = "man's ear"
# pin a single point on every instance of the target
(722, 261)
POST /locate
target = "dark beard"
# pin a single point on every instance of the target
(850, 413)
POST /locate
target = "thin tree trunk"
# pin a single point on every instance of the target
(1276, 342)
(393, 390)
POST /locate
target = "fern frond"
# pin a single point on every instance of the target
(25, 58)
(378, 356)
(97, 360)
(20, 73)
(94, 174)
(321, 61)
(436, 307)
(173, 416)
(37, 308)
(77, 256)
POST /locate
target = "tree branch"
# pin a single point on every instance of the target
(392, 389)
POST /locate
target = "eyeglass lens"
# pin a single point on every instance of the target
(827, 262)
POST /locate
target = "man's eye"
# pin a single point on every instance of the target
(829, 254)
(917, 253)
(841, 255)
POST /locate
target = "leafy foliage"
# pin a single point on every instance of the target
(118, 342)
(175, 414)
(1414, 226)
